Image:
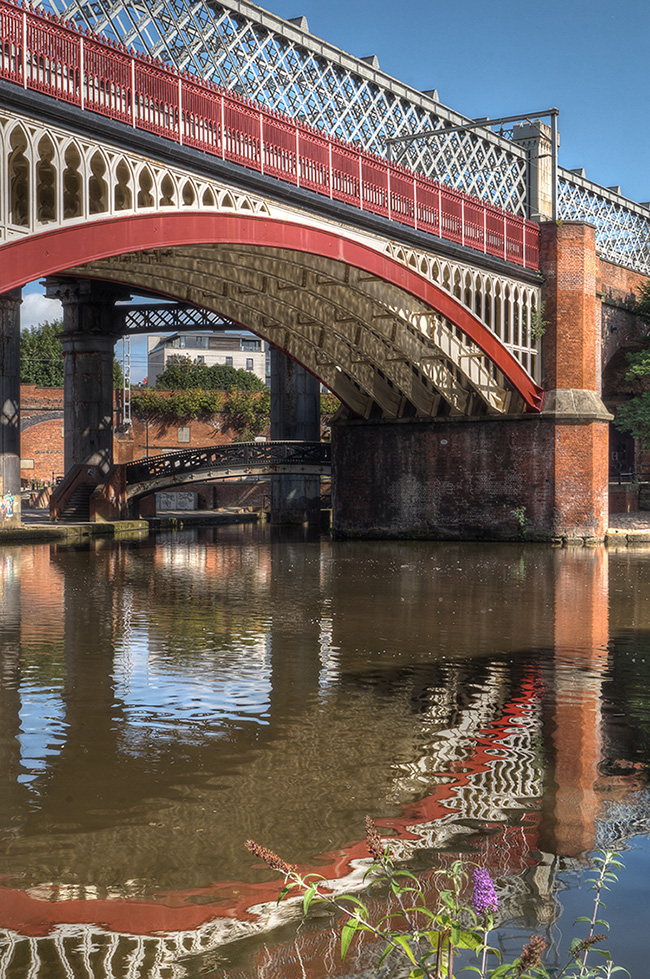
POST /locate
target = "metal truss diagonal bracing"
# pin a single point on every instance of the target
(282, 66)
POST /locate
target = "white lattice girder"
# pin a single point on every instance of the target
(622, 227)
(277, 63)
(238, 45)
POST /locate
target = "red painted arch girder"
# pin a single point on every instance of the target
(33, 256)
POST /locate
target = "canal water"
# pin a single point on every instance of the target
(162, 701)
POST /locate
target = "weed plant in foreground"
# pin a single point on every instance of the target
(453, 937)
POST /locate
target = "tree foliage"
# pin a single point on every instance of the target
(183, 374)
(249, 412)
(177, 405)
(634, 416)
(41, 357)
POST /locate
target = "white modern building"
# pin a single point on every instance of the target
(243, 351)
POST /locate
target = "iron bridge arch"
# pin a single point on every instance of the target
(387, 340)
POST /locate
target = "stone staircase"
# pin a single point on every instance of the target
(77, 508)
(644, 496)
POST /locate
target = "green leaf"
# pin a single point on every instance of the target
(347, 934)
(501, 971)
(419, 909)
(357, 901)
(406, 873)
(387, 951)
(387, 917)
(285, 890)
(403, 941)
(307, 898)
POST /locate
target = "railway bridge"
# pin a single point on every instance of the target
(449, 311)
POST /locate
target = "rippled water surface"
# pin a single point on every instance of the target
(163, 701)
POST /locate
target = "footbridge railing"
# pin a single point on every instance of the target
(221, 461)
(51, 56)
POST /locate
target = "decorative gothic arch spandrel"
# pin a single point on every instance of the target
(18, 168)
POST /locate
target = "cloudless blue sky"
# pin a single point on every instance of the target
(504, 57)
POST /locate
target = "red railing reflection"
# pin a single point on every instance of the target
(48, 55)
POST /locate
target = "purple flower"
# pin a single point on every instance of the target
(485, 897)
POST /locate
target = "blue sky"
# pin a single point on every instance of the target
(502, 58)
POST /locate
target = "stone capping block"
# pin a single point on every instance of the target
(575, 404)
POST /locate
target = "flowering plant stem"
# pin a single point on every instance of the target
(430, 940)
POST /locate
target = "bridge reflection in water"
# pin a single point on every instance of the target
(162, 702)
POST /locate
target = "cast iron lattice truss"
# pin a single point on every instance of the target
(282, 66)
(174, 319)
(622, 227)
(279, 64)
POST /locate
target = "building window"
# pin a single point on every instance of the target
(228, 361)
(184, 433)
(249, 363)
(251, 345)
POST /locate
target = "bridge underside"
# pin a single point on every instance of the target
(384, 337)
(137, 490)
(378, 348)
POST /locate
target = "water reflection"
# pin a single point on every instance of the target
(161, 702)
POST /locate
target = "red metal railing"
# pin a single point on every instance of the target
(41, 52)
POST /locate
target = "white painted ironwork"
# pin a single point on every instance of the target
(281, 65)
(622, 226)
(368, 341)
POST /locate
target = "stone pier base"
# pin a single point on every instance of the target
(533, 477)
(295, 414)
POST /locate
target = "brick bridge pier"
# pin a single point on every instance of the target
(543, 476)
(540, 476)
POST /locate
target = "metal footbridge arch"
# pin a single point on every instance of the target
(225, 461)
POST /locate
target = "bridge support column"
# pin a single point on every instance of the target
(10, 408)
(539, 476)
(467, 479)
(295, 414)
(571, 350)
(89, 334)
